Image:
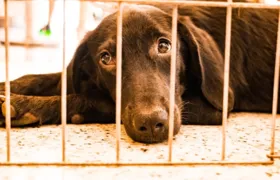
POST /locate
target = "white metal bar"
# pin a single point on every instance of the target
(7, 84)
(199, 3)
(172, 81)
(275, 89)
(63, 90)
(226, 78)
(119, 80)
(112, 164)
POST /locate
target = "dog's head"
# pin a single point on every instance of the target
(146, 58)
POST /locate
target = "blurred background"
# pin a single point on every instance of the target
(32, 52)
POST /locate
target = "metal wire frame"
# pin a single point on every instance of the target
(226, 78)
(275, 93)
(7, 84)
(119, 80)
(203, 163)
(172, 81)
(229, 6)
(198, 3)
(63, 91)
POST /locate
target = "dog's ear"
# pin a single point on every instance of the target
(207, 62)
(77, 69)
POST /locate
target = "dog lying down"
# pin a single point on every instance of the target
(91, 75)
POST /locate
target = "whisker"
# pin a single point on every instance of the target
(187, 113)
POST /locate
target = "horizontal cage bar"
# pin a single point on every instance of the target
(200, 3)
(140, 164)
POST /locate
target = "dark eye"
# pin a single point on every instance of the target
(164, 45)
(106, 58)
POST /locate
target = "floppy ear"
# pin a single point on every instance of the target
(208, 62)
(77, 69)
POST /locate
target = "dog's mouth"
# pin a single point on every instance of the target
(150, 126)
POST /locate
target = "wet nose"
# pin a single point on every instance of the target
(153, 124)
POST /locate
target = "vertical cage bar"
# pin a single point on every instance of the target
(63, 91)
(226, 77)
(172, 81)
(7, 85)
(119, 80)
(275, 89)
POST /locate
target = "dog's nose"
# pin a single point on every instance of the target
(153, 124)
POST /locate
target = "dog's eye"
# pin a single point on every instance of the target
(106, 58)
(164, 45)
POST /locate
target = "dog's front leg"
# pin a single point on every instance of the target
(198, 111)
(35, 84)
(27, 110)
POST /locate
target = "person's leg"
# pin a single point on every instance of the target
(46, 30)
(51, 7)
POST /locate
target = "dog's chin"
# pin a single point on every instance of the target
(147, 138)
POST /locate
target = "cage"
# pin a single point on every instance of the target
(243, 139)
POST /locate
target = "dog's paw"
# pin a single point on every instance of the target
(2, 119)
(19, 111)
(35, 110)
(77, 119)
(201, 113)
(3, 107)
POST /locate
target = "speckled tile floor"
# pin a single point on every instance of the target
(248, 139)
